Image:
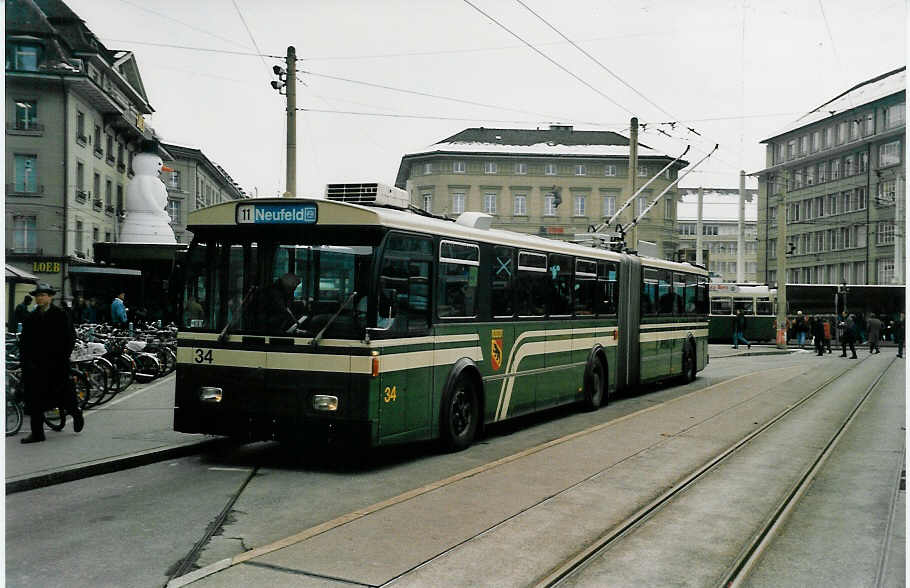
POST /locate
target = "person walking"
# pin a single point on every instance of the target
(20, 313)
(45, 346)
(739, 329)
(818, 334)
(874, 329)
(118, 311)
(801, 328)
(826, 330)
(848, 327)
(898, 328)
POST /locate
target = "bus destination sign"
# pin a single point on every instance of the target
(299, 214)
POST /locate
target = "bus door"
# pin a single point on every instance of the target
(403, 309)
(558, 384)
(628, 315)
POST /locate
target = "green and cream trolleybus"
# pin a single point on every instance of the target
(359, 318)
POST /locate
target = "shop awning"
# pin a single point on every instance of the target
(93, 269)
(19, 275)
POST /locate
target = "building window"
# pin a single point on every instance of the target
(841, 132)
(79, 239)
(550, 169)
(25, 57)
(863, 162)
(520, 205)
(884, 269)
(804, 145)
(610, 170)
(489, 167)
(643, 171)
(579, 208)
(889, 154)
(25, 234)
(814, 141)
(119, 197)
(26, 173)
(521, 169)
(686, 229)
(80, 125)
(709, 230)
(549, 205)
(110, 148)
(835, 169)
(849, 165)
(457, 202)
(427, 169)
(884, 233)
(640, 204)
(458, 167)
(26, 114)
(108, 194)
(609, 205)
(120, 164)
(886, 192)
(668, 211)
(173, 210)
(97, 140)
(855, 129)
(428, 202)
(80, 177)
(107, 236)
(810, 175)
(96, 234)
(861, 198)
(175, 179)
(489, 203)
(860, 272)
(894, 115)
(827, 137)
(581, 170)
(869, 124)
(96, 186)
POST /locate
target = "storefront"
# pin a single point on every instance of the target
(18, 284)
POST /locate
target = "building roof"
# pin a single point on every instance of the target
(555, 141)
(215, 170)
(879, 87)
(718, 204)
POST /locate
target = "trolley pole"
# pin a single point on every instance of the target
(291, 89)
(782, 262)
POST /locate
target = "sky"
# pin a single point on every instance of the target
(734, 71)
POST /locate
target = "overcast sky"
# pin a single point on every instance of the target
(736, 71)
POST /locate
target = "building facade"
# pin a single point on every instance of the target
(839, 171)
(196, 182)
(74, 118)
(720, 230)
(519, 177)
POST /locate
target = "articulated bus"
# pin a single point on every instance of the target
(759, 306)
(377, 324)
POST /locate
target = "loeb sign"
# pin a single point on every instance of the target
(46, 267)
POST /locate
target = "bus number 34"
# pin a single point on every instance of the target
(202, 355)
(390, 394)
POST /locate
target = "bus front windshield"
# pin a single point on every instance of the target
(276, 289)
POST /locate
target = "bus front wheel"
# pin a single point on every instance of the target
(460, 413)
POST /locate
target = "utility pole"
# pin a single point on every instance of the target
(782, 261)
(899, 228)
(698, 229)
(633, 173)
(741, 238)
(287, 81)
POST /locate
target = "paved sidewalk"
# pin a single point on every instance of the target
(134, 429)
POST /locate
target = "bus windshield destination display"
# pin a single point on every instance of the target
(301, 214)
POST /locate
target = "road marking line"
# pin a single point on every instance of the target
(360, 513)
(217, 469)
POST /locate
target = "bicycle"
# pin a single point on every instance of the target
(15, 412)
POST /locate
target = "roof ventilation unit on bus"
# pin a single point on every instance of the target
(477, 220)
(370, 194)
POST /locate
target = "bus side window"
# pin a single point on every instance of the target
(691, 296)
(679, 293)
(649, 291)
(585, 287)
(404, 284)
(532, 283)
(502, 282)
(608, 291)
(701, 298)
(560, 274)
(665, 292)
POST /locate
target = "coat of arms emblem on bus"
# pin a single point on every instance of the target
(496, 348)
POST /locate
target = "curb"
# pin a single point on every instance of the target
(108, 465)
(756, 353)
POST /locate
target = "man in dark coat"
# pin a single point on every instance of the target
(848, 327)
(45, 346)
(818, 334)
(898, 327)
(874, 328)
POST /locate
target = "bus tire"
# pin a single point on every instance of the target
(689, 362)
(595, 382)
(459, 414)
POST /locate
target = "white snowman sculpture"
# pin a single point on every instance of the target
(147, 220)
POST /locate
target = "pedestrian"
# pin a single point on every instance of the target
(818, 334)
(826, 329)
(118, 311)
(89, 314)
(899, 335)
(739, 328)
(874, 327)
(45, 346)
(801, 328)
(20, 313)
(847, 327)
(78, 310)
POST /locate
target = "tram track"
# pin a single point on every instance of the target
(738, 570)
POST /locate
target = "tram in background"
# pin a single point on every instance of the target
(361, 319)
(759, 306)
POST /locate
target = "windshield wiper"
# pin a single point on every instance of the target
(334, 316)
(227, 328)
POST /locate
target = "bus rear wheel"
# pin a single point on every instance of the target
(460, 414)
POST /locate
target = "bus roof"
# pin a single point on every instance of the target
(330, 212)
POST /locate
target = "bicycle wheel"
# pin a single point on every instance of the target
(147, 367)
(168, 360)
(14, 416)
(126, 371)
(55, 419)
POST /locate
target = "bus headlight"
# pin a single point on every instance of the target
(325, 403)
(210, 394)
